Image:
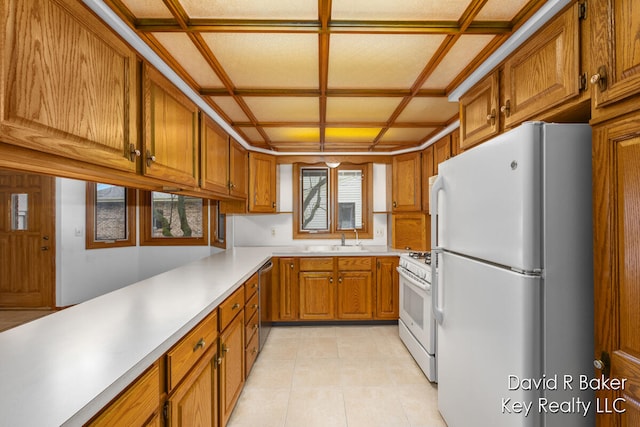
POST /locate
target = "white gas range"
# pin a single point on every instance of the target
(417, 325)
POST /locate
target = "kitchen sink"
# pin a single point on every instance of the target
(334, 248)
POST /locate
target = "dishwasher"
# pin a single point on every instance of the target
(264, 295)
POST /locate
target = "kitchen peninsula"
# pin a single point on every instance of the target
(64, 368)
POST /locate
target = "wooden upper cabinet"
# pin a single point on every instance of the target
(479, 118)
(238, 160)
(406, 188)
(545, 71)
(68, 84)
(170, 131)
(427, 171)
(262, 182)
(442, 152)
(615, 60)
(214, 157)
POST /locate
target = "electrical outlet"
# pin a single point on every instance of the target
(379, 232)
(273, 231)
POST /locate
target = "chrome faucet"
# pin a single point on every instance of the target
(342, 239)
(356, 231)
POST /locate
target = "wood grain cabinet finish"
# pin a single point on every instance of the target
(615, 57)
(262, 183)
(232, 375)
(355, 288)
(387, 288)
(195, 401)
(136, 405)
(285, 295)
(238, 165)
(317, 295)
(427, 171)
(410, 231)
(406, 189)
(544, 72)
(479, 112)
(68, 84)
(170, 131)
(214, 157)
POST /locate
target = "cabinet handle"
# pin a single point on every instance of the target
(254, 306)
(491, 118)
(225, 349)
(255, 350)
(133, 153)
(291, 265)
(330, 279)
(231, 185)
(200, 344)
(150, 158)
(600, 78)
(395, 205)
(339, 279)
(273, 205)
(506, 108)
(255, 326)
(235, 306)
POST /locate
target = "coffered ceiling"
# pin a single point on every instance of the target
(327, 75)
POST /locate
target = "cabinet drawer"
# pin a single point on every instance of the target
(231, 307)
(250, 287)
(251, 328)
(316, 264)
(184, 355)
(357, 263)
(251, 307)
(136, 405)
(251, 353)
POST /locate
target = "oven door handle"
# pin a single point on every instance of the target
(425, 286)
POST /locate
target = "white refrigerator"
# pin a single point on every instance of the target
(513, 280)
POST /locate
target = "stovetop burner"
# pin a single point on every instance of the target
(426, 256)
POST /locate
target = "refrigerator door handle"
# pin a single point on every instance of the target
(436, 250)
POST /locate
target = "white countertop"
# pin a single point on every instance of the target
(63, 368)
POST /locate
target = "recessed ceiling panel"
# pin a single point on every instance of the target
(398, 10)
(379, 60)
(465, 50)
(428, 110)
(348, 134)
(230, 107)
(406, 134)
(296, 146)
(251, 9)
(500, 10)
(185, 52)
(255, 60)
(252, 133)
(359, 109)
(283, 108)
(294, 134)
(150, 9)
(347, 146)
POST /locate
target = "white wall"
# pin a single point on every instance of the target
(84, 274)
(277, 229)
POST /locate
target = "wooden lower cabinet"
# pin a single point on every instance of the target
(387, 288)
(136, 405)
(317, 295)
(195, 401)
(355, 288)
(285, 289)
(232, 366)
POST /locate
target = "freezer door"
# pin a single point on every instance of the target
(489, 200)
(488, 342)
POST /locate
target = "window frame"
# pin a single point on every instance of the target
(365, 232)
(90, 228)
(216, 218)
(146, 220)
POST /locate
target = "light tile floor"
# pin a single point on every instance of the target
(333, 376)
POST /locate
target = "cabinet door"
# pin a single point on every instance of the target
(387, 288)
(238, 170)
(317, 295)
(616, 219)
(545, 71)
(442, 152)
(194, 402)
(615, 30)
(427, 171)
(262, 182)
(69, 84)
(170, 131)
(410, 231)
(355, 289)
(214, 155)
(232, 366)
(406, 189)
(479, 112)
(286, 294)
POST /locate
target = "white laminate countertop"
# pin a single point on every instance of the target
(63, 368)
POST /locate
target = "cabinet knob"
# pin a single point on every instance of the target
(225, 349)
(200, 344)
(491, 118)
(133, 153)
(395, 205)
(506, 108)
(291, 265)
(330, 279)
(600, 78)
(273, 205)
(339, 279)
(235, 306)
(150, 158)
